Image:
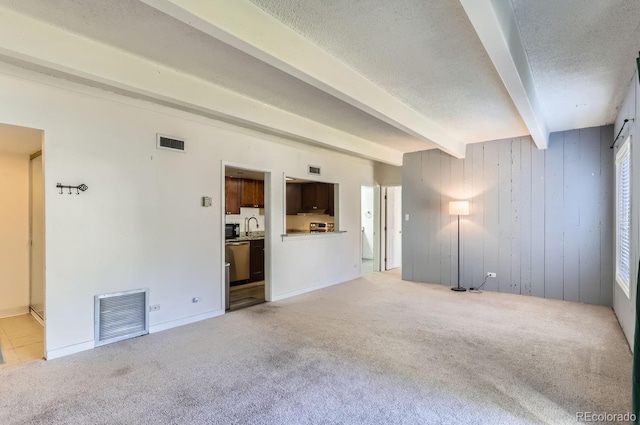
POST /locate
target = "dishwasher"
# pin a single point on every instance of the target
(237, 255)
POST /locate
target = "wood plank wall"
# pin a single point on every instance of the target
(541, 219)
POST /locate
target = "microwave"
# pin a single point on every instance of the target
(231, 230)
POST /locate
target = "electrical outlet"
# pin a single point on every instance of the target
(154, 307)
(490, 274)
(195, 300)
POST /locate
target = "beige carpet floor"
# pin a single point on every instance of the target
(376, 350)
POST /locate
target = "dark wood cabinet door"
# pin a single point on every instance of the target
(256, 261)
(258, 193)
(322, 195)
(248, 187)
(232, 195)
(315, 195)
(294, 198)
(252, 193)
(331, 200)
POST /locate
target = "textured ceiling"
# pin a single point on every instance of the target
(424, 52)
(581, 55)
(137, 28)
(19, 140)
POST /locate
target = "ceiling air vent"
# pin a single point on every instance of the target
(171, 143)
(314, 170)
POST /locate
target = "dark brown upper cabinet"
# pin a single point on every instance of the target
(232, 195)
(252, 193)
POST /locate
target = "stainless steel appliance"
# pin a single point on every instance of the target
(231, 230)
(317, 227)
(237, 255)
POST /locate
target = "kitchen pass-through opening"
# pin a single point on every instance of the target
(245, 220)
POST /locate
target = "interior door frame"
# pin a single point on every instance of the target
(268, 226)
(376, 226)
(384, 225)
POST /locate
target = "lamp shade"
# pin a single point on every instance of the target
(459, 207)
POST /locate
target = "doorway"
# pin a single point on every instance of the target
(391, 227)
(246, 213)
(369, 236)
(22, 279)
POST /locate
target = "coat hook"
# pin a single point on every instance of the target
(82, 187)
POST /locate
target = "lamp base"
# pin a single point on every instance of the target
(458, 289)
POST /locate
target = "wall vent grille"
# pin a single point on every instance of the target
(314, 170)
(121, 315)
(170, 143)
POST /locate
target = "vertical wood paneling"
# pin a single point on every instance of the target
(465, 234)
(435, 182)
(491, 210)
(410, 175)
(589, 220)
(554, 218)
(445, 219)
(516, 184)
(525, 216)
(571, 236)
(607, 205)
(476, 219)
(424, 221)
(503, 282)
(537, 222)
(542, 220)
(457, 193)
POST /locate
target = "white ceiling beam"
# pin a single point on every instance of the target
(496, 26)
(35, 45)
(248, 28)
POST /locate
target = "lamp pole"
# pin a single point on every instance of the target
(458, 288)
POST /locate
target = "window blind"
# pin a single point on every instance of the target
(623, 216)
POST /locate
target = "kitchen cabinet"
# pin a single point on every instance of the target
(232, 195)
(315, 196)
(331, 200)
(294, 198)
(252, 193)
(256, 260)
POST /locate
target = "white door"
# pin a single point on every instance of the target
(393, 216)
(37, 236)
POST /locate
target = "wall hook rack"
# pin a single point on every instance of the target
(82, 187)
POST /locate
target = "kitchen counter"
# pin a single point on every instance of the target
(253, 236)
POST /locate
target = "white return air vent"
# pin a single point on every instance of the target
(314, 170)
(171, 143)
(121, 315)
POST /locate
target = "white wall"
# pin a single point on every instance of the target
(624, 306)
(140, 223)
(14, 234)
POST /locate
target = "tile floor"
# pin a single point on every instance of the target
(21, 339)
(367, 266)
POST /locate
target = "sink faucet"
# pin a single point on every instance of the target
(247, 225)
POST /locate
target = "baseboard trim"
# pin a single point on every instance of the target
(71, 349)
(35, 316)
(10, 312)
(184, 321)
(313, 288)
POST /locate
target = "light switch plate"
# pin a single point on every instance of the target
(206, 201)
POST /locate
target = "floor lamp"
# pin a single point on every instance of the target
(459, 208)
